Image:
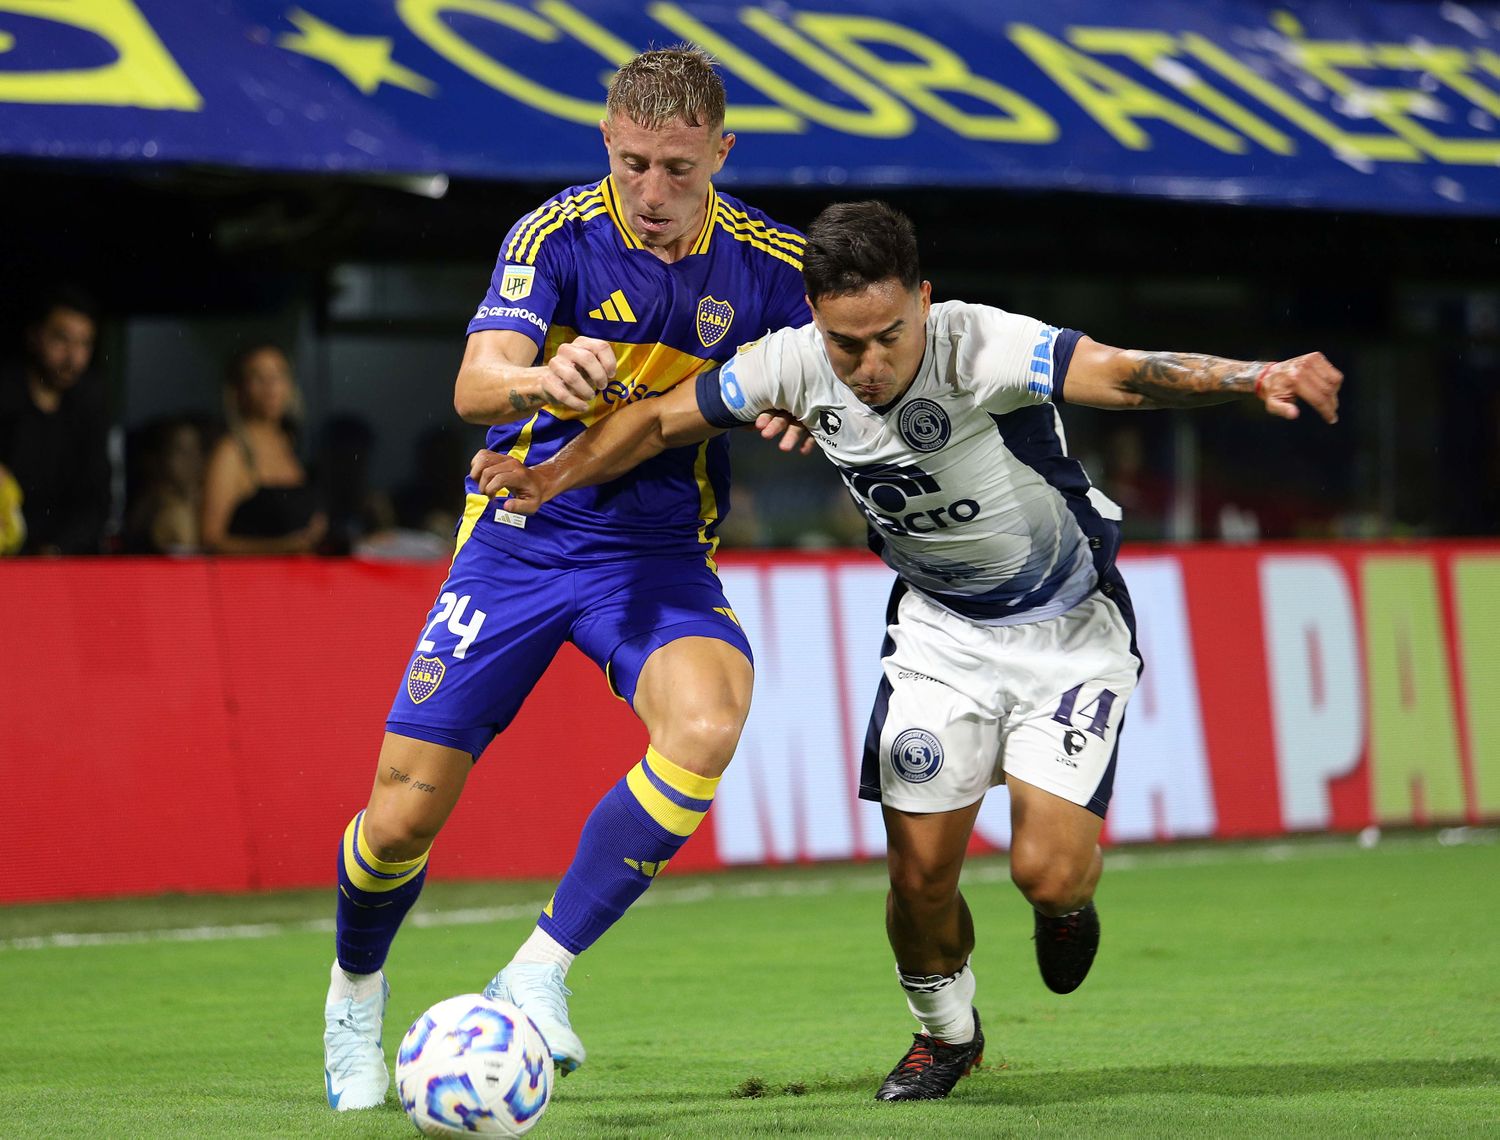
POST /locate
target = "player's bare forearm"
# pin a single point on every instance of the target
(1187, 379)
(498, 383)
(498, 393)
(1104, 377)
(607, 450)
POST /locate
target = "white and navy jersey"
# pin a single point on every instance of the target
(965, 480)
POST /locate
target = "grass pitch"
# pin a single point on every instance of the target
(1313, 988)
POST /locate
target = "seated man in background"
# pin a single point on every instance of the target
(54, 428)
(1010, 654)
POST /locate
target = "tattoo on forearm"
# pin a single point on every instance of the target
(524, 402)
(1188, 379)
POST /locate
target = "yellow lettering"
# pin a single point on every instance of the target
(592, 35)
(425, 19)
(1476, 597)
(1155, 51)
(1341, 142)
(143, 73)
(739, 117)
(1329, 60)
(1415, 770)
(1114, 100)
(885, 117)
(937, 68)
(1452, 68)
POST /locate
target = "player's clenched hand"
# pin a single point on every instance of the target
(579, 368)
(794, 434)
(496, 473)
(1311, 379)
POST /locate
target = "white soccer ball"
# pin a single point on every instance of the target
(471, 1065)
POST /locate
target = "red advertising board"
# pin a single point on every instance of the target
(211, 725)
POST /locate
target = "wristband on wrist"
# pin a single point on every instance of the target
(1260, 377)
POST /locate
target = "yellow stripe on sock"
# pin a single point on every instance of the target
(688, 783)
(673, 817)
(363, 879)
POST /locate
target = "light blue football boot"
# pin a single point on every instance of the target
(537, 988)
(354, 1071)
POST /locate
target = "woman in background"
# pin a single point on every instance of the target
(256, 495)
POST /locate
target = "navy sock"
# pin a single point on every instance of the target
(631, 834)
(374, 897)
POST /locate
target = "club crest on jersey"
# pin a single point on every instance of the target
(917, 755)
(515, 282)
(425, 676)
(714, 318)
(924, 425)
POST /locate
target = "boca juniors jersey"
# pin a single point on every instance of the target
(965, 480)
(573, 267)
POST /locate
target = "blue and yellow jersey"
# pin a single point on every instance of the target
(573, 267)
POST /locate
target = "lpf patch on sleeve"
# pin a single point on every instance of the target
(425, 676)
(515, 282)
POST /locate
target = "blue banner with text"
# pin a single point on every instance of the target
(1381, 105)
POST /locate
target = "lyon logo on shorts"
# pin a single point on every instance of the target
(714, 318)
(425, 676)
(917, 755)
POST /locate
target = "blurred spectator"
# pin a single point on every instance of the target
(1144, 495)
(357, 512)
(12, 521)
(166, 489)
(256, 496)
(54, 429)
(430, 500)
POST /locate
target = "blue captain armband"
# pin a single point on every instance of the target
(720, 397)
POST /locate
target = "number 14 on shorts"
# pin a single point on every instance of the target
(451, 609)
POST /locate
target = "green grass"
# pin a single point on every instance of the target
(1312, 989)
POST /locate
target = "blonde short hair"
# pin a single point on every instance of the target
(666, 85)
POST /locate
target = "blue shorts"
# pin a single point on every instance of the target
(499, 621)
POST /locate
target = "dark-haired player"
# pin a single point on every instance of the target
(1010, 654)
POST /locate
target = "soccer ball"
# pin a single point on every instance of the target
(471, 1065)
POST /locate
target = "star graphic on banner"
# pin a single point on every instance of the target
(364, 61)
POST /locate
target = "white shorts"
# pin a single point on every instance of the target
(962, 706)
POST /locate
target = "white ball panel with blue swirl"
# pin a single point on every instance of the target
(470, 1066)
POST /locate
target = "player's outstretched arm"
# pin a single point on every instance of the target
(1118, 378)
(497, 382)
(605, 451)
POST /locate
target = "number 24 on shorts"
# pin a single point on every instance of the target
(451, 609)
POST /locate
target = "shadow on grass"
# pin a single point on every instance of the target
(1238, 1081)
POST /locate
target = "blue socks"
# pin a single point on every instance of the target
(374, 897)
(631, 834)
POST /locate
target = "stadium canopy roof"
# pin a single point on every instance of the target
(1380, 106)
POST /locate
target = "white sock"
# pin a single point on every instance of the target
(542, 947)
(343, 984)
(942, 1004)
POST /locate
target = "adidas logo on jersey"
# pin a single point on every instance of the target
(615, 308)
